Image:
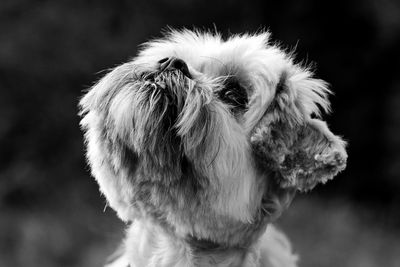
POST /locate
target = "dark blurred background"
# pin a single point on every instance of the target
(51, 213)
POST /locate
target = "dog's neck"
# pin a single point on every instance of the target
(148, 244)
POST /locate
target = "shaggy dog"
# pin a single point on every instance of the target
(201, 143)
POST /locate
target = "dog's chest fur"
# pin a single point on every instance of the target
(149, 245)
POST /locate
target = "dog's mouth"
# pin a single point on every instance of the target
(165, 93)
(172, 84)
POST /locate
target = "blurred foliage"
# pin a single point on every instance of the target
(50, 51)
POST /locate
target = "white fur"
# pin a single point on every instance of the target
(148, 246)
(236, 188)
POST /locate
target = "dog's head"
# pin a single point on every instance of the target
(200, 133)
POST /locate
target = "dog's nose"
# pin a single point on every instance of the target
(174, 63)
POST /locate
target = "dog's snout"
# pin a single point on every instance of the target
(174, 63)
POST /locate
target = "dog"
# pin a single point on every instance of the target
(199, 143)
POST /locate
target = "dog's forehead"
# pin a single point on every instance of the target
(212, 55)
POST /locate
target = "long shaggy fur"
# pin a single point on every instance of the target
(202, 142)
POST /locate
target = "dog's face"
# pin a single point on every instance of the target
(202, 134)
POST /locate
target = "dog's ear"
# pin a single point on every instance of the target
(302, 150)
(303, 155)
(107, 136)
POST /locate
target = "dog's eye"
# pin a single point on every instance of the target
(234, 95)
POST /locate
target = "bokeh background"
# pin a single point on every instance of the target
(51, 213)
